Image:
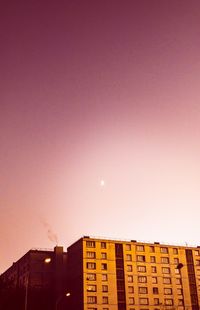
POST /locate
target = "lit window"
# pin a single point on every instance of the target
(91, 276)
(180, 302)
(167, 291)
(167, 280)
(179, 291)
(178, 281)
(140, 258)
(143, 290)
(128, 247)
(131, 301)
(196, 252)
(105, 300)
(177, 271)
(152, 249)
(152, 259)
(91, 299)
(176, 261)
(130, 279)
(90, 244)
(140, 248)
(142, 279)
(143, 301)
(165, 270)
(129, 268)
(156, 301)
(141, 268)
(165, 260)
(128, 257)
(198, 262)
(154, 280)
(155, 290)
(103, 245)
(153, 269)
(103, 266)
(104, 255)
(104, 277)
(90, 254)
(91, 288)
(104, 288)
(91, 265)
(164, 250)
(168, 302)
(175, 251)
(130, 289)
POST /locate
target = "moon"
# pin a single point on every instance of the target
(102, 183)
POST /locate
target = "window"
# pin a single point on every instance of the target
(104, 255)
(130, 289)
(155, 290)
(141, 268)
(153, 269)
(176, 261)
(91, 299)
(91, 276)
(140, 258)
(154, 280)
(178, 281)
(130, 279)
(165, 260)
(129, 268)
(179, 291)
(90, 254)
(152, 249)
(196, 252)
(128, 257)
(105, 300)
(140, 248)
(104, 288)
(180, 302)
(168, 302)
(104, 277)
(167, 291)
(128, 247)
(92, 308)
(103, 245)
(143, 301)
(142, 279)
(177, 271)
(91, 288)
(103, 266)
(165, 270)
(175, 251)
(131, 301)
(143, 290)
(91, 265)
(164, 250)
(156, 301)
(198, 262)
(90, 244)
(152, 259)
(167, 280)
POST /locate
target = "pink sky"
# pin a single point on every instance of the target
(91, 91)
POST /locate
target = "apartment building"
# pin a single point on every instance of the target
(35, 281)
(99, 274)
(121, 275)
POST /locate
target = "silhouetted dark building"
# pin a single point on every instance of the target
(36, 281)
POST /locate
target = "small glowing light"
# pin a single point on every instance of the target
(47, 260)
(102, 183)
(68, 294)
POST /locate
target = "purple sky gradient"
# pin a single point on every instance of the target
(93, 90)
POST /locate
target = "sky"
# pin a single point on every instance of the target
(99, 122)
